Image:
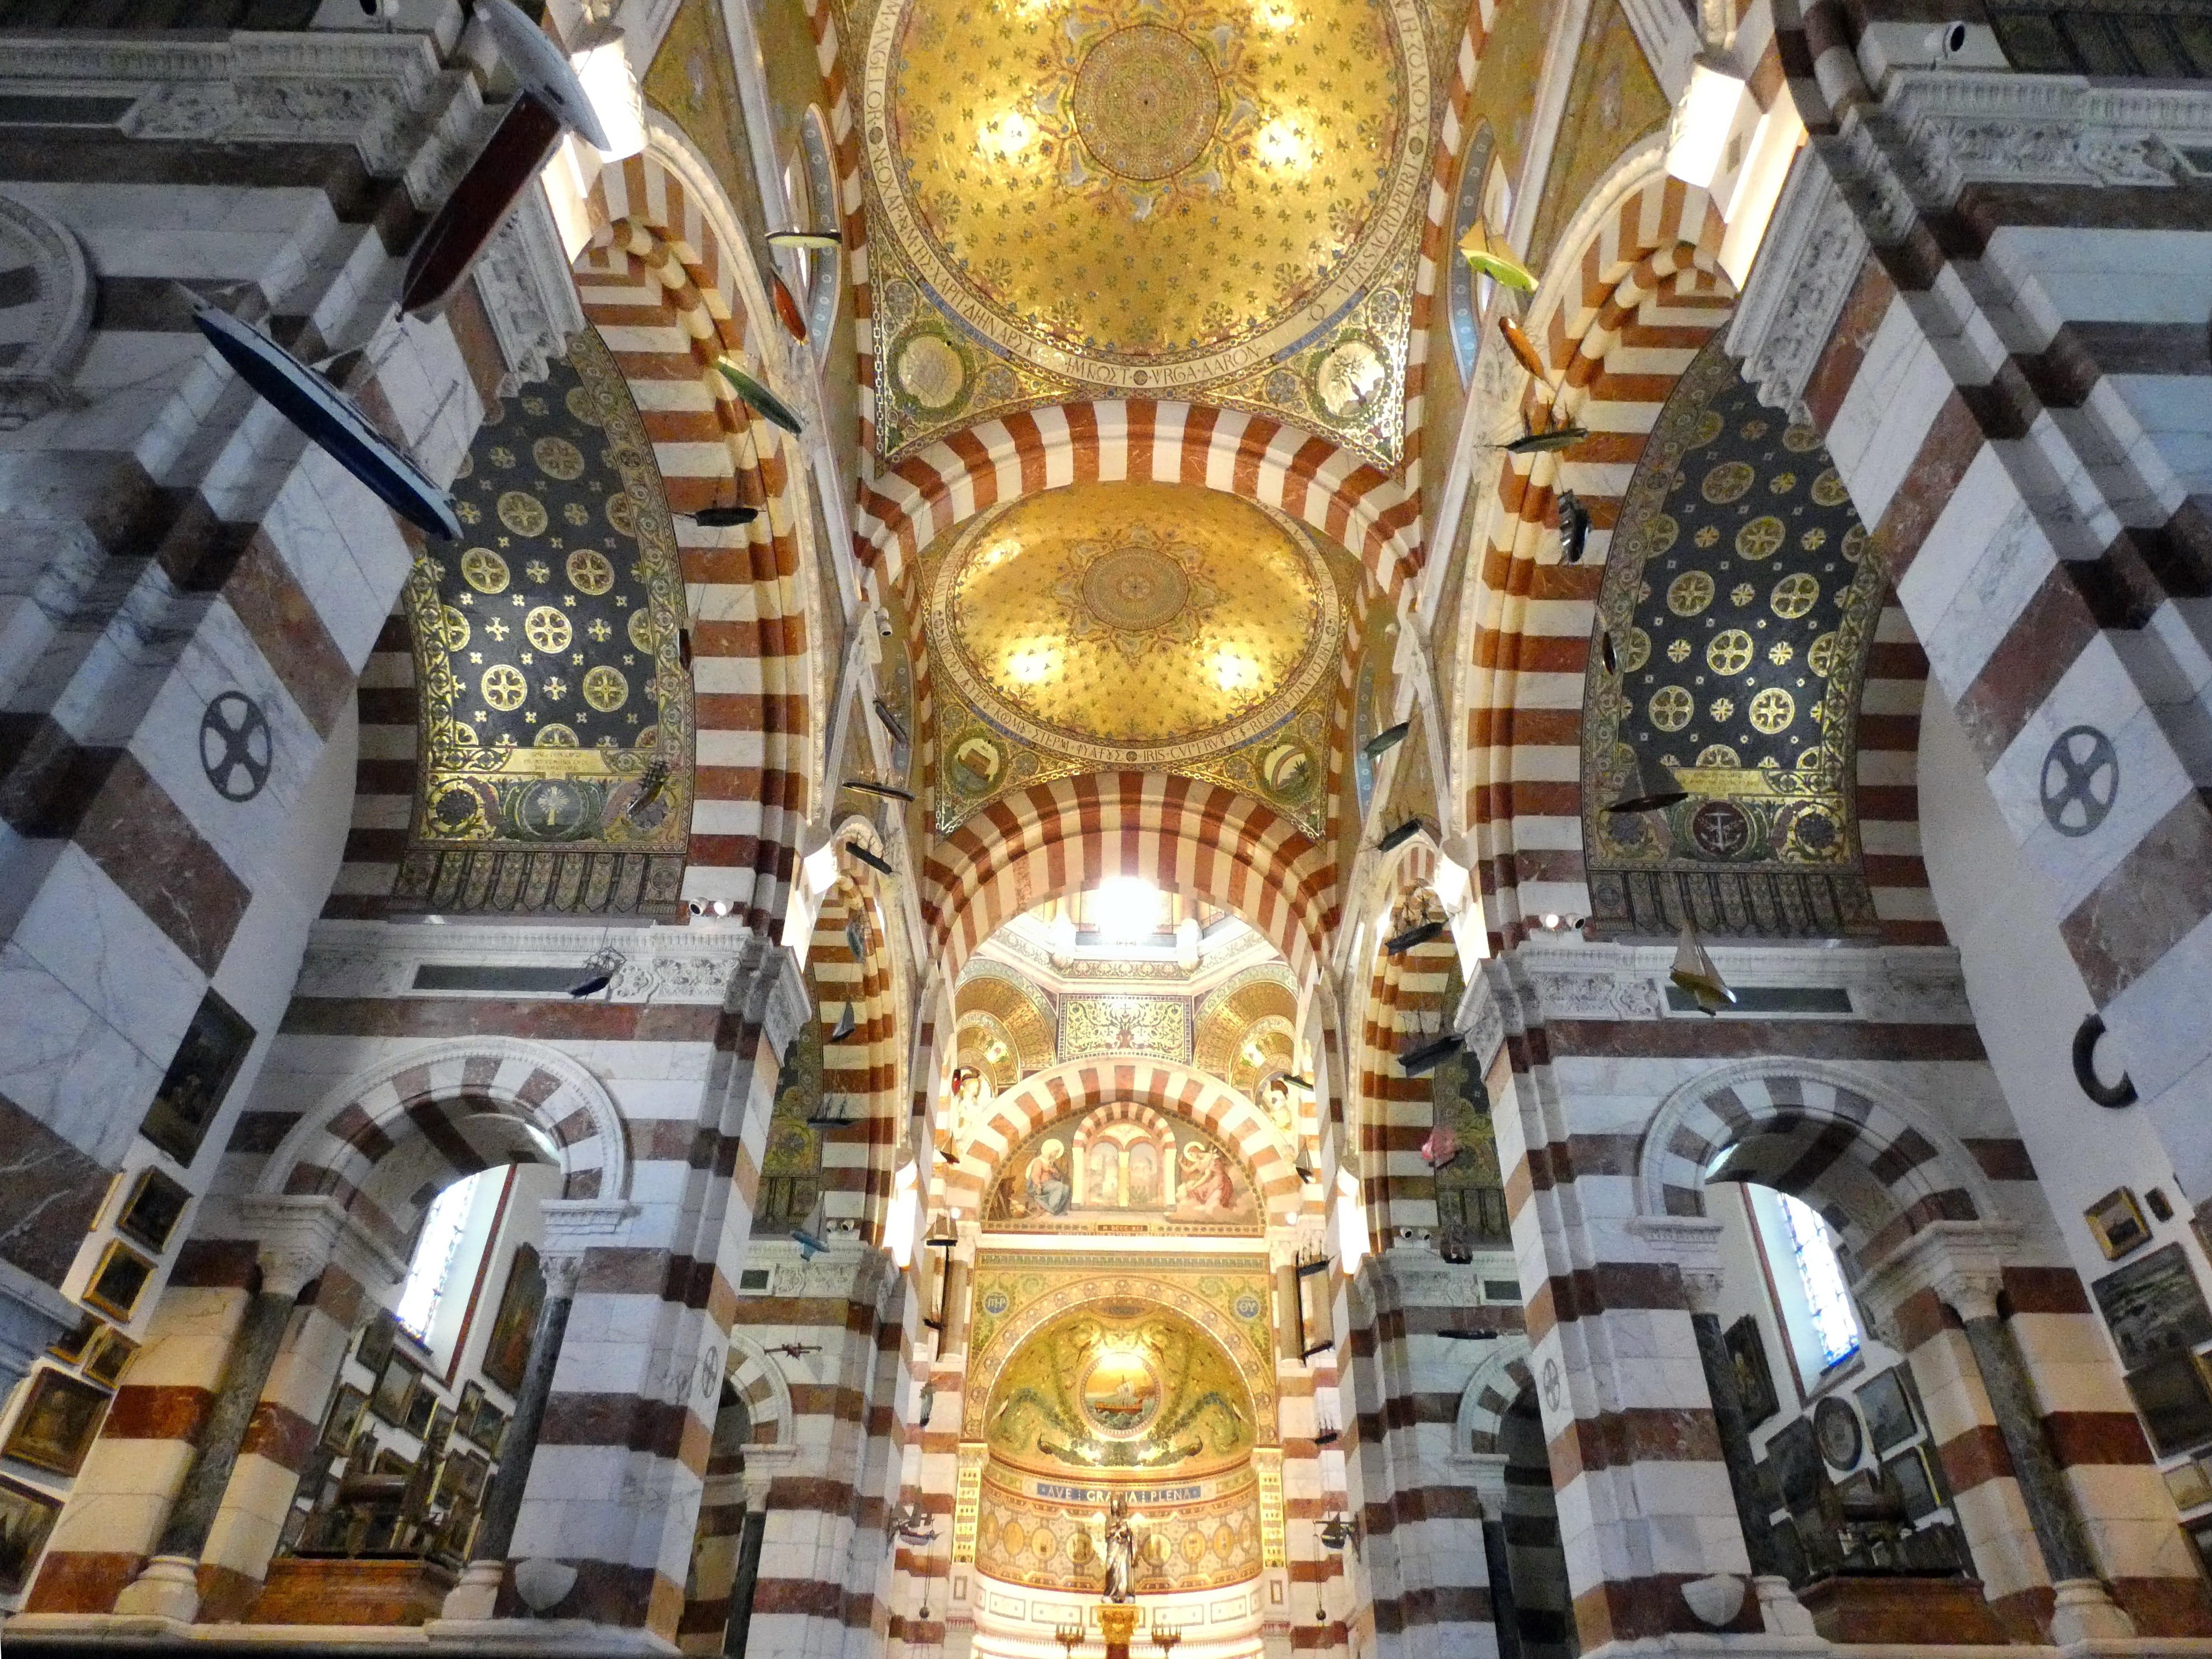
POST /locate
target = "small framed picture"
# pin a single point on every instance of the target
(1754, 1380)
(2117, 1224)
(200, 1074)
(394, 1394)
(27, 1520)
(1888, 1406)
(119, 1280)
(1908, 1470)
(1836, 1429)
(150, 1214)
(343, 1421)
(71, 1347)
(107, 1357)
(376, 1342)
(471, 1407)
(59, 1421)
(421, 1408)
(491, 1429)
(2188, 1486)
(2170, 1395)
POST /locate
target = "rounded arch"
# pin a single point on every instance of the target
(1179, 833)
(664, 246)
(1498, 1381)
(1404, 1006)
(1877, 1168)
(391, 1137)
(1175, 1091)
(1326, 488)
(1638, 266)
(760, 1384)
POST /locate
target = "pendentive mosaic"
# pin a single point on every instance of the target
(555, 713)
(1739, 604)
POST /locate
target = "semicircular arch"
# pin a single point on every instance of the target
(1060, 1091)
(1877, 1167)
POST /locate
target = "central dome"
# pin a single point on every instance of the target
(1149, 191)
(1126, 622)
(1147, 101)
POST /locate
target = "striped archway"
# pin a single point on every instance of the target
(1405, 1004)
(1878, 1171)
(1501, 1378)
(1635, 293)
(1310, 479)
(1179, 833)
(849, 963)
(670, 292)
(388, 1140)
(1075, 1085)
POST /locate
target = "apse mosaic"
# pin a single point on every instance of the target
(1122, 1168)
(1132, 624)
(1147, 197)
(555, 712)
(1741, 601)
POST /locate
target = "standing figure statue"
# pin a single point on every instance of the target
(1120, 1550)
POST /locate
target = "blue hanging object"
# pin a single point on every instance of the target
(330, 419)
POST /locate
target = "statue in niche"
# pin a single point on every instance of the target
(971, 1101)
(1120, 1549)
(1276, 1098)
(1047, 1184)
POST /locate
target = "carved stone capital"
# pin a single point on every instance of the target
(573, 1226)
(1962, 1262)
(527, 292)
(1812, 256)
(1692, 1243)
(297, 1238)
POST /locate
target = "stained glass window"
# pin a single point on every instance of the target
(432, 1269)
(1834, 1325)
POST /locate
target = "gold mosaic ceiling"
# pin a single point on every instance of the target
(1147, 195)
(1133, 622)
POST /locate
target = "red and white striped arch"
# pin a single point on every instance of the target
(1180, 833)
(1405, 1003)
(1635, 293)
(1076, 1086)
(669, 296)
(1314, 480)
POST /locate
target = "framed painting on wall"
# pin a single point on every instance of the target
(107, 1356)
(2170, 1396)
(394, 1395)
(57, 1424)
(119, 1280)
(150, 1214)
(1888, 1409)
(507, 1354)
(1754, 1380)
(200, 1074)
(26, 1519)
(2117, 1225)
(2153, 1306)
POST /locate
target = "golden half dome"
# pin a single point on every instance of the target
(1149, 191)
(1134, 622)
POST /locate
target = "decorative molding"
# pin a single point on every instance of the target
(1811, 256)
(1937, 132)
(41, 381)
(298, 1236)
(524, 280)
(384, 94)
(373, 960)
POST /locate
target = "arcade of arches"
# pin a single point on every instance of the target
(1374, 828)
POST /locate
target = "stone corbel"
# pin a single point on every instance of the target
(1961, 1262)
(523, 280)
(573, 1226)
(1806, 267)
(1692, 1243)
(1481, 1018)
(768, 992)
(298, 1236)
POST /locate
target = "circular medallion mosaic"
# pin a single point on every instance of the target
(1126, 622)
(1135, 192)
(1147, 101)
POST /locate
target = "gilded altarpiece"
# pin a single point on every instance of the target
(555, 715)
(1089, 1379)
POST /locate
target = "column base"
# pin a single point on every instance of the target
(2085, 1612)
(1778, 1605)
(167, 1587)
(475, 1597)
